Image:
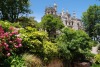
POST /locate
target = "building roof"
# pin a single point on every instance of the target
(49, 8)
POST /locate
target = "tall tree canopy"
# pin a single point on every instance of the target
(27, 21)
(90, 18)
(74, 44)
(51, 24)
(97, 32)
(11, 9)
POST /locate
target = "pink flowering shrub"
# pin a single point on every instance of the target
(9, 41)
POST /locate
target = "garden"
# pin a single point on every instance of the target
(24, 42)
(30, 47)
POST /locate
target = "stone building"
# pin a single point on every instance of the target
(51, 10)
(67, 19)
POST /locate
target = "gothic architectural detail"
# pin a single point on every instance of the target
(67, 19)
(51, 10)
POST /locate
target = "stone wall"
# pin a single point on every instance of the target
(59, 63)
(83, 64)
(55, 63)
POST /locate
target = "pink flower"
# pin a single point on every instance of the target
(18, 35)
(16, 46)
(19, 45)
(8, 54)
(1, 29)
(10, 41)
(2, 36)
(6, 34)
(7, 48)
(11, 37)
(19, 40)
(15, 32)
(10, 34)
(0, 45)
(6, 45)
(11, 28)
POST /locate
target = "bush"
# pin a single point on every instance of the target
(12, 61)
(50, 51)
(32, 40)
(6, 25)
(32, 60)
(17, 61)
(37, 42)
(74, 44)
(96, 65)
(97, 59)
(9, 41)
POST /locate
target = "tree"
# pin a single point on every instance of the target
(27, 21)
(90, 18)
(51, 24)
(11, 9)
(74, 45)
(97, 32)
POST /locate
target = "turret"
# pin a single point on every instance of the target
(74, 14)
(62, 12)
(66, 11)
(55, 6)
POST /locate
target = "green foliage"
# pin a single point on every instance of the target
(97, 59)
(96, 65)
(74, 44)
(12, 61)
(51, 24)
(36, 42)
(50, 48)
(10, 40)
(17, 61)
(25, 21)
(97, 31)
(70, 45)
(6, 25)
(32, 39)
(12, 9)
(90, 18)
(32, 61)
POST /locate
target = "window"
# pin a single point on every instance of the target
(78, 24)
(72, 22)
(69, 23)
(48, 12)
(66, 22)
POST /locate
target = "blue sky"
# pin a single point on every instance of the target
(79, 6)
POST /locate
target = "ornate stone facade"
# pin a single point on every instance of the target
(67, 19)
(51, 10)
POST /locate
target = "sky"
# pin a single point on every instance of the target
(79, 6)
